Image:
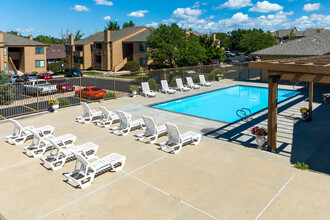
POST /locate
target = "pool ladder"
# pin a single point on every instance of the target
(245, 114)
(298, 84)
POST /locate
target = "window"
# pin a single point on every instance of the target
(5, 51)
(67, 49)
(143, 47)
(5, 66)
(79, 48)
(40, 63)
(142, 61)
(39, 50)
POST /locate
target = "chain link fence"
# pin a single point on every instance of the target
(33, 96)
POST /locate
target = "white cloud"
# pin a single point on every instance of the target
(235, 4)
(80, 8)
(315, 20)
(312, 7)
(186, 13)
(26, 30)
(153, 24)
(103, 2)
(107, 18)
(138, 14)
(266, 7)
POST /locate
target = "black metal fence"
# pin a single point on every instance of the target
(33, 96)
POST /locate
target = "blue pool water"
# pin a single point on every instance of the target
(222, 104)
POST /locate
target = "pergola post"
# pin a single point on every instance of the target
(310, 104)
(272, 112)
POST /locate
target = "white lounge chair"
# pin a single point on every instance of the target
(107, 118)
(59, 155)
(152, 130)
(191, 84)
(41, 144)
(176, 140)
(126, 124)
(20, 134)
(203, 82)
(85, 171)
(146, 90)
(89, 114)
(166, 89)
(180, 85)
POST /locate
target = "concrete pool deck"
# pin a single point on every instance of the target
(224, 177)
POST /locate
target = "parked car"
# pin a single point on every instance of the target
(29, 76)
(72, 72)
(15, 79)
(211, 62)
(229, 54)
(40, 86)
(228, 61)
(91, 92)
(44, 76)
(63, 85)
(237, 53)
(249, 58)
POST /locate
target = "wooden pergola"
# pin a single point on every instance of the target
(306, 69)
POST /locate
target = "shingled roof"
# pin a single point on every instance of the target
(141, 37)
(13, 40)
(56, 51)
(318, 44)
(120, 33)
(89, 39)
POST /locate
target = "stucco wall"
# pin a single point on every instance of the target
(30, 60)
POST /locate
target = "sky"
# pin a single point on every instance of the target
(49, 17)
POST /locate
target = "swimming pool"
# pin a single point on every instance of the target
(221, 105)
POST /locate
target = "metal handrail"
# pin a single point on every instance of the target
(245, 114)
(298, 84)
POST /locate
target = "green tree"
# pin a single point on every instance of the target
(128, 24)
(8, 92)
(292, 35)
(13, 32)
(48, 39)
(212, 50)
(78, 35)
(169, 46)
(224, 40)
(191, 51)
(256, 40)
(112, 26)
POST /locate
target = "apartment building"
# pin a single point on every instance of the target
(21, 55)
(108, 50)
(284, 35)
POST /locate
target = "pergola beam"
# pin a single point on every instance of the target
(294, 76)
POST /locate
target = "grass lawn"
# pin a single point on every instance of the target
(131, 76)
(92, 73)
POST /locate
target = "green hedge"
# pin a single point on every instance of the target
(132, 66)
(109, 95)
(152, 84)
(64, 102)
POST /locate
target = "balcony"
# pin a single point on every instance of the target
(77, 53)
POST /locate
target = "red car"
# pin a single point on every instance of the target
(91, 92)
(45, 76)
(63, 85)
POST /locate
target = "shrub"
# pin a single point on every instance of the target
(173, 82)
(132, 66)
(7, 91)
(301, 166)
(35, 72)
(152, 84)
(213, 74)
(64, 102)
(54, 67)
(196, 78)
(109, 95)
(222, 58)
